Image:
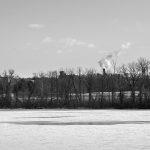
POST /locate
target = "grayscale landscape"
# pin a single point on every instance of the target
(74, 74)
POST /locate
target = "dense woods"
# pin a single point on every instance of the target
(127, 87)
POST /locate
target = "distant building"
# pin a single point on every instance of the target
(62, 74)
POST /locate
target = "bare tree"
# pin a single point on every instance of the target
(41, 76)
(7, 81)
(131, 75)
(121, 83)
(79, 72)
(89, 83)
(143, 65)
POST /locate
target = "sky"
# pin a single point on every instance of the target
(45, 35)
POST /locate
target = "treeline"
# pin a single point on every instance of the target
(127, 87)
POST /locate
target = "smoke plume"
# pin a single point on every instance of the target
(106, 62)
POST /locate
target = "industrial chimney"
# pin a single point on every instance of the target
(104, 72)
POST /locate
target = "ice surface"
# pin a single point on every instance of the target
(74, 129)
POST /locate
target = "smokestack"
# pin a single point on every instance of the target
(109, 60)
(104, 72)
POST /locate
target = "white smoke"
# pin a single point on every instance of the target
(126, 46)
(106, 62)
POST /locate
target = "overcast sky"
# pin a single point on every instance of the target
(43, 35)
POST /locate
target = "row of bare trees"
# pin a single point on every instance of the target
(129, 87)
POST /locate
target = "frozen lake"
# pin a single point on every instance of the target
(74, 129)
